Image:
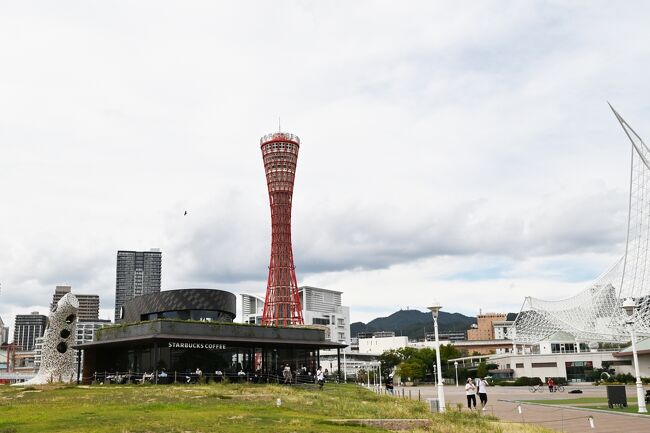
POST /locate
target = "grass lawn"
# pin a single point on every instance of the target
(227, 408)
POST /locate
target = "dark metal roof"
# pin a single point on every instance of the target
(178, 300)
(165, 337)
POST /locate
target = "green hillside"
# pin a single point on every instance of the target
(414, 323)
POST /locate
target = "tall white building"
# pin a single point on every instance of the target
(4, 333)
(320, 307)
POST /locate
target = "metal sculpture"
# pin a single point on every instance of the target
(57, 355)
(595, 314)
(282, 302)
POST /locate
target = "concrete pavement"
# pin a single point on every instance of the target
(502, 403)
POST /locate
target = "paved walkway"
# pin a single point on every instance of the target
(502, 403)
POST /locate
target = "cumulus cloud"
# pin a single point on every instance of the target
(443, 146)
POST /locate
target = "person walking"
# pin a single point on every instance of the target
(286, 373)
(482, 391)
(389, 384)
(470, 392)
(320, 377)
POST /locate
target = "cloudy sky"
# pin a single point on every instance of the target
(459, 153)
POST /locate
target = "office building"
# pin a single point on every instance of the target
(4, 333)
(27, 328)
(88, 304)
(484, 329)
(138, 273)
(321, 307)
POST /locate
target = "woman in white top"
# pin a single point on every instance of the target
(470, 392)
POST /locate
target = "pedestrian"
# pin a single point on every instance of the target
(286, 373)
(482, 391)
(470, 392)
(389, 384)
(551, 385)
(320, 377)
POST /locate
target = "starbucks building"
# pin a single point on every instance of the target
(180, 331)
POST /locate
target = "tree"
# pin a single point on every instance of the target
(389, 360)
(482, 369)
(412, 369)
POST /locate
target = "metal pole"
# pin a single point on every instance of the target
(640, 396)
(441, 390)
(338, 364)
(379, 368)
(78, 366)
(368, 374)
(345, 368)
(456, 366)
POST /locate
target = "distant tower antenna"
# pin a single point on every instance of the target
(279, 125)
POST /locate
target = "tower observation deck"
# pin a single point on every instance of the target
(282, 302)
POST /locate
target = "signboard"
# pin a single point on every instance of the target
(199, 345)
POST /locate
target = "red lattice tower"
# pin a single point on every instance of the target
(282, 303)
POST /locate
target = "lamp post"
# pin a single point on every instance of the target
(456, 367)
(435, 309)
(629, 306)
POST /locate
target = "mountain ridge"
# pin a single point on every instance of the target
(414, 323)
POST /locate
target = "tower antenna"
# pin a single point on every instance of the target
(279, 125)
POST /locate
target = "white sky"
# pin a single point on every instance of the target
(463, 153)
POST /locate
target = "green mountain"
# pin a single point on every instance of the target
(414, 323)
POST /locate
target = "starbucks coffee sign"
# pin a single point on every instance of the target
(195, 345)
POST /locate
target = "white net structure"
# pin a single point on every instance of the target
(595, 314)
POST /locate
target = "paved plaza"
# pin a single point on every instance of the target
(502, 403)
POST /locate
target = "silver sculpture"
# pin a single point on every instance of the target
(57, 355)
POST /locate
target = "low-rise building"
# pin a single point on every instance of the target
(379, 345)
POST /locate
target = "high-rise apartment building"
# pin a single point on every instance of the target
(27, 328)
(4, 333)
(88, 304)
(138, 273)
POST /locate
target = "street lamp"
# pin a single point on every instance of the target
(435, 309)
(629, 306)
(456, 367)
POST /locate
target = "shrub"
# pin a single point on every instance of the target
(527, 381)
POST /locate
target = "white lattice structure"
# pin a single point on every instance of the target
(595, 314)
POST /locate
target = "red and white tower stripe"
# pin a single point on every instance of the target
(282, 303)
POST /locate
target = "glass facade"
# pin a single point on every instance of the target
(197, 315)
(209, 357)
(579, 371)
